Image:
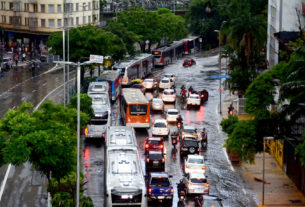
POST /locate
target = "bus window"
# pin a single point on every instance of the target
(137, 109)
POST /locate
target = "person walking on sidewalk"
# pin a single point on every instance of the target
(23, 57)
(16, 60)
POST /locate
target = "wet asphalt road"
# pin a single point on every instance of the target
(226, 181)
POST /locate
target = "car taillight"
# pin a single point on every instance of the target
(146, 146)
(202, 95)
(147, 159)
(206, 185)
(190, 184)
(187, 166)
(147, 119)
(128, 119)
(149, 190)
(163, 160)
(203, 167)
(86, 131)
(161, 146)
(172, 191)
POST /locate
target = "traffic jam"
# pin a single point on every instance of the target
(140, 110)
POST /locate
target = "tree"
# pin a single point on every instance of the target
(85, 104)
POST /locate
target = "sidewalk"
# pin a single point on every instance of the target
(279, 189)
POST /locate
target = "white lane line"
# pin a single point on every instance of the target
(34, 90)
(244, 191)
(226, 155)
(4, 180)
(9, 166)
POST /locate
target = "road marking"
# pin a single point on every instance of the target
(226, 155)
(4, 181)
(44, 84)
(9, 166)
(34, 90)
(245, 192)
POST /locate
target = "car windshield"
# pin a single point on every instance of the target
(156, 142)
(194, 97)
(172, 113)
(159, 101)
(136, 86)
(168, 92)
(189, 131)
(99, 122)
(164, 81)
(137, 109)
(198, 180)
(149, 80)
(155, 156)
(190, 143)
(187, 60)
(160, 125)
(160, 182)
(195, 160)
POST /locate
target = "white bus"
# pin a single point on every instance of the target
(124, 178)
(137, 67)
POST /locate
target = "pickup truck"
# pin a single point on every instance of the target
(159, 187)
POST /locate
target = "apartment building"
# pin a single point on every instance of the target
(23, 20)
(283, 18)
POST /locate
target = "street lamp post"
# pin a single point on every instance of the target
(263, 190)
(200, 40)
(64, 59)
(220, 110)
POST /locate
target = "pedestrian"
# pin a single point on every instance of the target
(16, 60)
(33, 67)
(23, 57)
(1, 74)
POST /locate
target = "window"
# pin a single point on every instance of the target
(11, 20)
(35, 8)
(77, 20)
(68, 7)
(84, 20)
(71, 21)
(89, 19)
(84, 6)
(26, 7)
(3, 5)
(3, 19)
(42, 8)
(43, 23)
(89, 6)
(65, 21)
(51, 23)
(77, 6)
(11, 5)
(26, 21)
(58, 8)
(58, 22)
(51, 8)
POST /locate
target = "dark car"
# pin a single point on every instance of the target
(153, 144)
(139, 86)
(188, 62)
(155, 160)
(189, 146)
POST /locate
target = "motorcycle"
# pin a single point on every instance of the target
(204, 96)
(183, 98)
(179, 125)
(174, 138)
(182, 196)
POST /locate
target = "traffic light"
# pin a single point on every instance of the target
(230, 111)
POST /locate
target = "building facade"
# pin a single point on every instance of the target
(283, 16)
(23, 20)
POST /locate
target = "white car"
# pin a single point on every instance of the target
(193, 100)
(190, 132)
(196, 183)
(98, 88)
(157, 104)
(194, 164)
(165, 83)
(170, 76)
(172, 115)
(148, 83)
(169, 95)
(160, 128)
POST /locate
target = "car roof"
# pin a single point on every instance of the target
(195, 156)
(169, 90)
(172, 110)
(197, 175)
(189, 127)
(157, 99)
(160, 120)
(157, 174)
(165, 78)
(194, 95)
(155, 138)
(169, 74)
(154, 152)
(150, 79)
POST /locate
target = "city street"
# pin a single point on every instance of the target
(226, 181)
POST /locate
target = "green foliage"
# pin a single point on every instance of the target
(65, 191)
(85, 104)
(300, 150)
(228, 124)
(243, 140)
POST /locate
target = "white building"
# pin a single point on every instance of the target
(282, 17)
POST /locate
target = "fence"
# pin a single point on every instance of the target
(51, 58)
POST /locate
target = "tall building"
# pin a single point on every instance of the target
(283, 24)
(29, 22)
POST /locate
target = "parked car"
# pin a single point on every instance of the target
(148, 84)
(196, 183)
(172, 115)
(169, 95)
(153, 144)
(190, 132)
(193, 100)
(157, 104)
(165, 83)
(159, 187)
(139, 86)
(155, 160)
(160, 128)
(188, 62)
(189, 146)
(194, 164)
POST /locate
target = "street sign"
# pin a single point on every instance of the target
(219, 76)
(97, 59)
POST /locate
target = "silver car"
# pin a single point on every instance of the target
(196, 183)
(98, 88)
(157, 104)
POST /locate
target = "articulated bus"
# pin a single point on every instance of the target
(166, 55)
(138, 67)
(124, 177)
(114, 81)
(191, 44)
(135, 109)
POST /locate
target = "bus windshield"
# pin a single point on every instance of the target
(137, 109)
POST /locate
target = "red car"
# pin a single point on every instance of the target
(188, 62)
(154, 144)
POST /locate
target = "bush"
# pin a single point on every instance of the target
(228, 124)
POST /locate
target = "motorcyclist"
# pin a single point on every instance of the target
(179, 119)
(191, 89)
(180, 187)
(173, 87)
(183, 93)
(182, 87)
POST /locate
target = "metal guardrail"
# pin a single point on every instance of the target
(51, 58)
